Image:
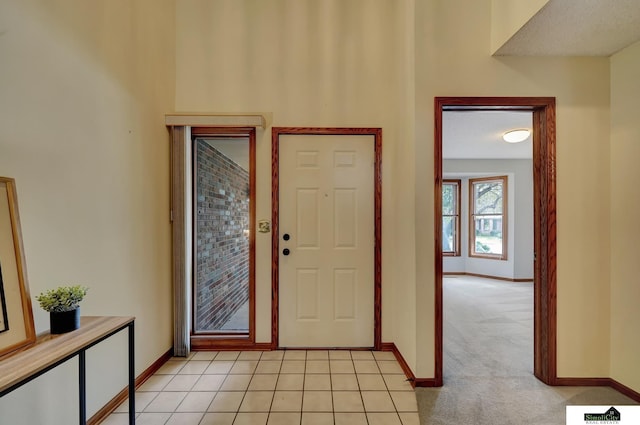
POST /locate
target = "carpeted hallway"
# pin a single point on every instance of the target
(488, 361)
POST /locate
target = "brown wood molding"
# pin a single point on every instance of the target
(583, 382)
(391, 346)
(506, 279)
(113, 404)
(544, 176)
(275, 196)
(621, 388)
(388, 346)
(377, 318)
(437, 240)
(599, 382)
(425, 383)
(108, 408)
(148, 372)
(544, 172)
(415, 382)
(275, 232)
(252, 236)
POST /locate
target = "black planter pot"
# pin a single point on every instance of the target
(63, 322)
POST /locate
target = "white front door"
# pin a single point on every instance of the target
(326, 222)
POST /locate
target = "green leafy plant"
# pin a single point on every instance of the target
(63, 298)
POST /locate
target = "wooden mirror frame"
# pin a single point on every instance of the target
(14, 290)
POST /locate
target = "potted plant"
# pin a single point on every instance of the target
(62, 304)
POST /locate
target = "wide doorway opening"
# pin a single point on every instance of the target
(487, 244)
(488, 230)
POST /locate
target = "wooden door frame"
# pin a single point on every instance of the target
(544, 205)
(276, 132)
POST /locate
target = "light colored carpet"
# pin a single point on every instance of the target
(488, 361)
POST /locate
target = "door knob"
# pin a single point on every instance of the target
(286, 251)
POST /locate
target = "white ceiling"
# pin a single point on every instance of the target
(577, 28)
(478, 135)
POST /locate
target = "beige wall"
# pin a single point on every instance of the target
(453, 59)
(342, 64)
(625, 204)
(85, 86)
(311, 63)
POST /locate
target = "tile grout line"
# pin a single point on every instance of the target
(364, 408)
(253, 374)
(393, 403)
(235, 417)
(304, 380)
(331, 388)
(274, 388)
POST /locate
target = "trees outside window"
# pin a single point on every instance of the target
(451, 217)
(488, 217)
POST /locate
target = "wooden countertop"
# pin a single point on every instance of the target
(49, 349)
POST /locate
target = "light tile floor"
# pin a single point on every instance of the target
(293, 387)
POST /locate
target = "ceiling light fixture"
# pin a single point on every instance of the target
(516, 136)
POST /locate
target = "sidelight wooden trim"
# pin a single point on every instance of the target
(545, 265)
(225, 340)
(275, 196)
